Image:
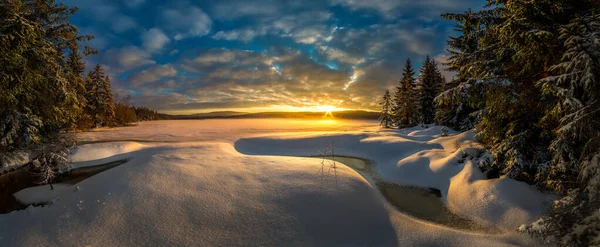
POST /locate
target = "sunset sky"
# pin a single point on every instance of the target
(260, 55)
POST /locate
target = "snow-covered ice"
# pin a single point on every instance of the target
(227, 182)
(98, 151)
(43, 193)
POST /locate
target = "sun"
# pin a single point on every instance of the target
(327, 109)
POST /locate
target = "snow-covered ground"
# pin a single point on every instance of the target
(226, 182)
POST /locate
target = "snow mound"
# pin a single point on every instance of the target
(421, 133)
(207, 195)
(421, 157)
(502, 202)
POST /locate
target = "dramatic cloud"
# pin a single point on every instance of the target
(192, 56)
(187, 21)
(152, 74)
(123, 59)
(106, 12)
(154, 40)
(243, 35)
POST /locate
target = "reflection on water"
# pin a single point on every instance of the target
(422, 204)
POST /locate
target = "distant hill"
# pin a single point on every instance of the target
(219, 114)
(208, 115)
(313, 115)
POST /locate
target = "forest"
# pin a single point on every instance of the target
(46, 93)
(44, 89)
(528, 82)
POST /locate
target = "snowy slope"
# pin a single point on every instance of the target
(211, 193)
(420, 157)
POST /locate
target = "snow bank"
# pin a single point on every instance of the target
(208, 195)
(97, 151)
(502, 202)
(421, 157)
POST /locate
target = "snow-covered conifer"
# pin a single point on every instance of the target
(405, 111)
(387, 105)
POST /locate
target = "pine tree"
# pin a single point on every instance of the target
(462, 98)
(76, 67)
(38, 90)
(440, 84)
(99, 97)
(387, 105)
(576, 147)
(429, 88)
(33, 86)
(502, 85)
(108, 105)
(446, 113)
(405, 110)
(539, 129)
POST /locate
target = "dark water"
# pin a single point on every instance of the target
(417, 202)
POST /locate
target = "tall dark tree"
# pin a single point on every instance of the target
(429, 88)
(36, 91)
(406, 96)
(99, 97)
(531, 69)
(76, 67)
(387, 105)
(109, 102)
(575, 82)
(461, 100)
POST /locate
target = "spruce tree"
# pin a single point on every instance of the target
(99, 97)
(387, 105)
(35, 92)
(405, 98)
(575, 219)
(108, 106)
(76, 66)
(532, 81)
(429, 88)
(460, 100)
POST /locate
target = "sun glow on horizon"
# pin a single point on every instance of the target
(326, 108)
(273, 108)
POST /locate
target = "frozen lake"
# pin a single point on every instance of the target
(242, 182)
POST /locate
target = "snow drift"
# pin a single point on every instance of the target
(421, 157)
